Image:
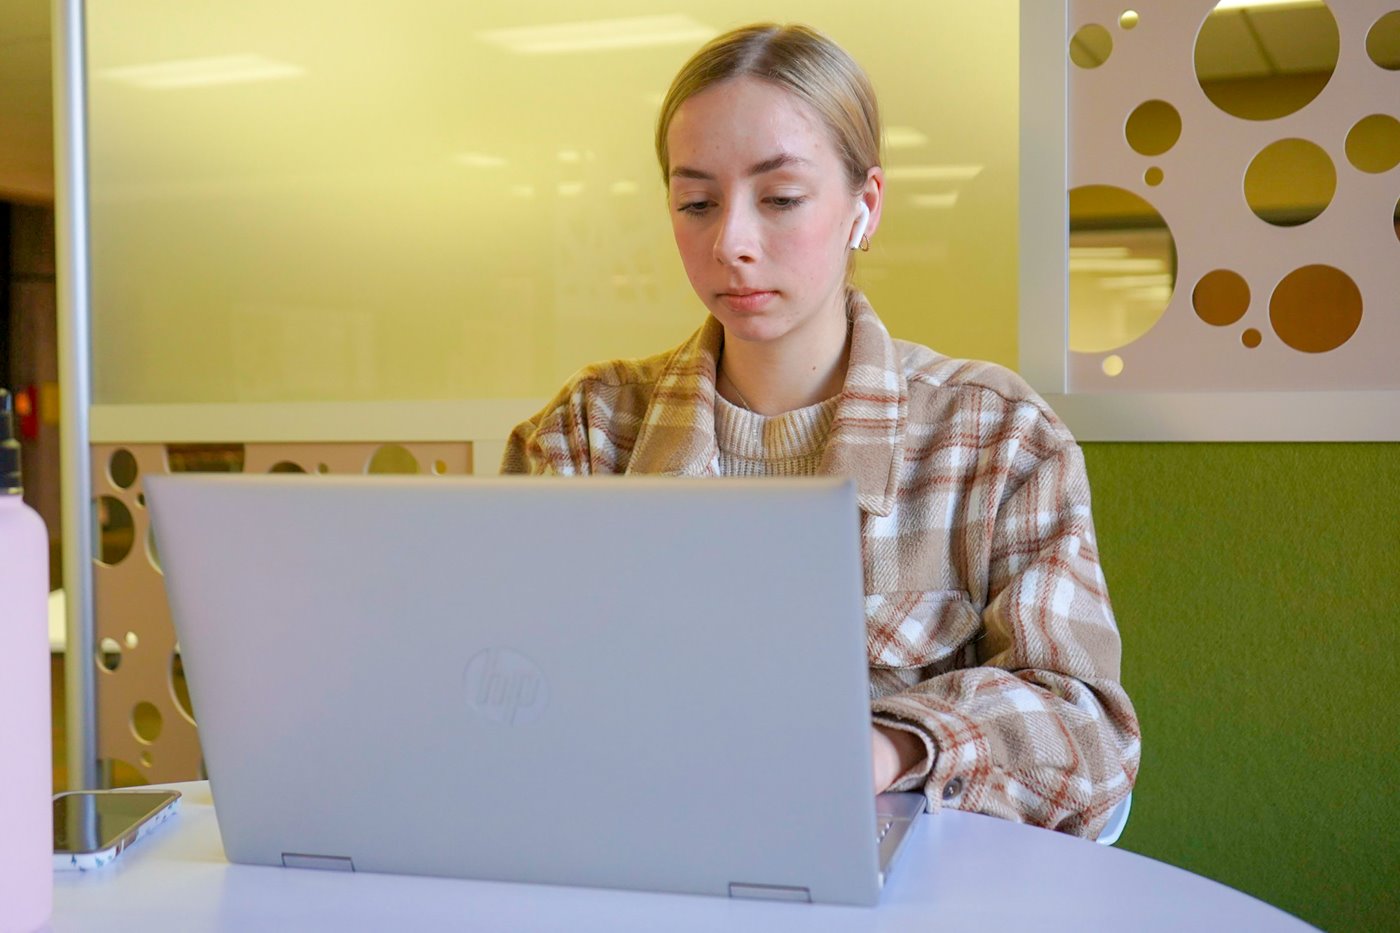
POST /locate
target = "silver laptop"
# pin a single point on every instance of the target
(655, 684)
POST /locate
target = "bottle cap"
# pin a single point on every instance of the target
(11, 481)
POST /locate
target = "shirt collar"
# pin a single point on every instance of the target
(677, 437)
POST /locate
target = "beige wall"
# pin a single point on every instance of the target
(412, 211)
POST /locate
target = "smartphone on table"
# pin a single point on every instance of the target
(91, 828)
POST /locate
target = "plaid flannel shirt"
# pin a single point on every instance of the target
(989, 630)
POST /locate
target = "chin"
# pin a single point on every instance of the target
(759, 328)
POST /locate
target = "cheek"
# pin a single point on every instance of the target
(810, 248)
(693, 245)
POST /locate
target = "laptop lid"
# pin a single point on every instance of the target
(647, 683)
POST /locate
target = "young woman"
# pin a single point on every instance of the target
(994, 657)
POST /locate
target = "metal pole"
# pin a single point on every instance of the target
(74, 372)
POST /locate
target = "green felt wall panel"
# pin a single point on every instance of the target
(1257, 587)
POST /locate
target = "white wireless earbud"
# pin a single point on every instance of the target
(861, 223)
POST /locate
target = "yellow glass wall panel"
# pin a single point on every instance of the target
(323, 201)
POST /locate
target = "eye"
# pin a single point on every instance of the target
(694, 207)
(786, 202)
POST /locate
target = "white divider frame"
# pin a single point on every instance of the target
(486, 423)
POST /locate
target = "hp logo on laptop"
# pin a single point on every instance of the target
(506, 687)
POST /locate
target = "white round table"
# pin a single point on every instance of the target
(958, 871)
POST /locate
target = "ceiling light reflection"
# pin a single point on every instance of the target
(478, 160)
(202, 72)
(944, 199)
(1099, 252)
(1262, 4)
(633, 32)
(932, 172)
(1117, 265)
(904, 137)
(1137, 281)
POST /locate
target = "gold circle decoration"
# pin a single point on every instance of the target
(1153, 176)
(1290, 182)
(1373, 144)
(1383, 41)
(1315, 309)
(1091, 46)
(1251, 338)
(1230, 35)
(392, 458)
(146, 722)
(1221, 297)
(1129, 19)
(1122, 267)
(1153, 127)
(115, 530)
(121, 468)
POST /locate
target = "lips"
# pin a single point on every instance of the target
(747, 299)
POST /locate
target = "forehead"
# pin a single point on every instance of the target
(738, 122)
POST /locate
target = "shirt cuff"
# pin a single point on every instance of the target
(917, 775)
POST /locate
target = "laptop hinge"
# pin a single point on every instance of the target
(321, 862)
(770, 892)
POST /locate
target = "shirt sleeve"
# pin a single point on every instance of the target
(1040, 731)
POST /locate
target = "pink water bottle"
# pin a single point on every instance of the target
(26, 788)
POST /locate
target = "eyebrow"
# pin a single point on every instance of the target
(772, 164)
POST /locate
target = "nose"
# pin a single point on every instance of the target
(736, 240)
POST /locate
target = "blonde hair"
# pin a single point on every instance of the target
(803, 62)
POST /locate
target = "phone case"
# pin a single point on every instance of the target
(89, 861)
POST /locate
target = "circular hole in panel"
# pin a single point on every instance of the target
(322, 468)
(1221, 297)
(109, 654)
(1153, 176)
(1129, 19)
(1315, 309)
(132, 639)
(1122, 268)
(1383, 41)
(1251, 338)
(141, 499)
(1237, 77)
(179, 687)
(1153, 127)
(1373, 145)
(1395, 219)
(146, 760)
(439, 467)
(286, 466)
(122, 468)
(1091, 46)
(392, 458)
(115, 530)
(1290, 182)
(146, 722)
(1112, 365)
(205, 458)
(152, 551)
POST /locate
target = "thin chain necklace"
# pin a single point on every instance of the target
(753, 415)
(742, 401)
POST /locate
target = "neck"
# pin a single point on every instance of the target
(801, 369)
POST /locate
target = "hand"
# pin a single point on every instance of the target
(893, 751)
